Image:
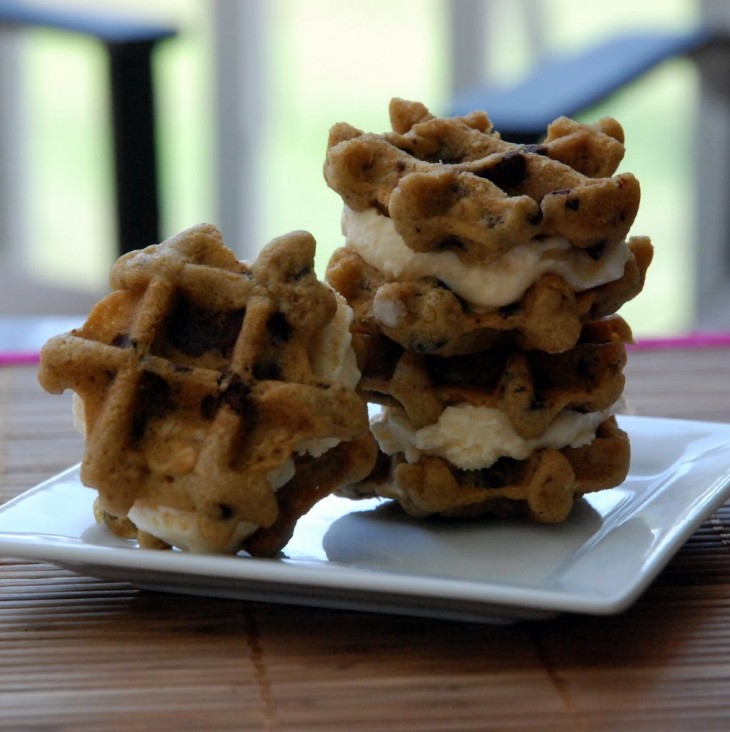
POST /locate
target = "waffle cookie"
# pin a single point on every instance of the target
(542, 487)
(217, 396)
(530, 388)
(502, 431)
(425, 316)
(453, 234)
(485, 279)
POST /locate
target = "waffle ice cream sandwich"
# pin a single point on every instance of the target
(217, 397)
(485, 278)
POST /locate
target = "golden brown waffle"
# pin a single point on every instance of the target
(424, 316)
(594, 150)
(199, 382)
(542, 487)
(453, 184)
(529, 387)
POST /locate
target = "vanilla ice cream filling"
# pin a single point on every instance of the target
(472, 438)
(333, 358)
(180, 528)
(498, 283)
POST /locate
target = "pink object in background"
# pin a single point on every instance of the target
(19, 358)
(692, 340)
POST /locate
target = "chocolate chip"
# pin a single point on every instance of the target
(595, 251)
(451, 243)
(507, 172)
(299, 274)
(235, 394)
(123, 340)
(225, 511)
(573, 204)
(584, 370)
(493, 222)
(278, 327)
(506, 471)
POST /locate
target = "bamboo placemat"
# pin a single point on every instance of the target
(81, 654)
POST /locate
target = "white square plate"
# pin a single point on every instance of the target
(366, 555)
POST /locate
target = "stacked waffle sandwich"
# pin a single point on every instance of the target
(217, 397)
(485, 278)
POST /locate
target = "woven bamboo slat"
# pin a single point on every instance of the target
(82, 654)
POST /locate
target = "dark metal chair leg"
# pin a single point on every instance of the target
(130, 44)
(135, 155)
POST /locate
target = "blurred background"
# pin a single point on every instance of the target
(245, 92)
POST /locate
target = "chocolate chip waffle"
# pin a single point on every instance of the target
(542, 487)
(510, 393)
(594, 150)
(529, 387)
(210, 406)
(439, 206)
(424, 316)
(485, 278)
(453, 184)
